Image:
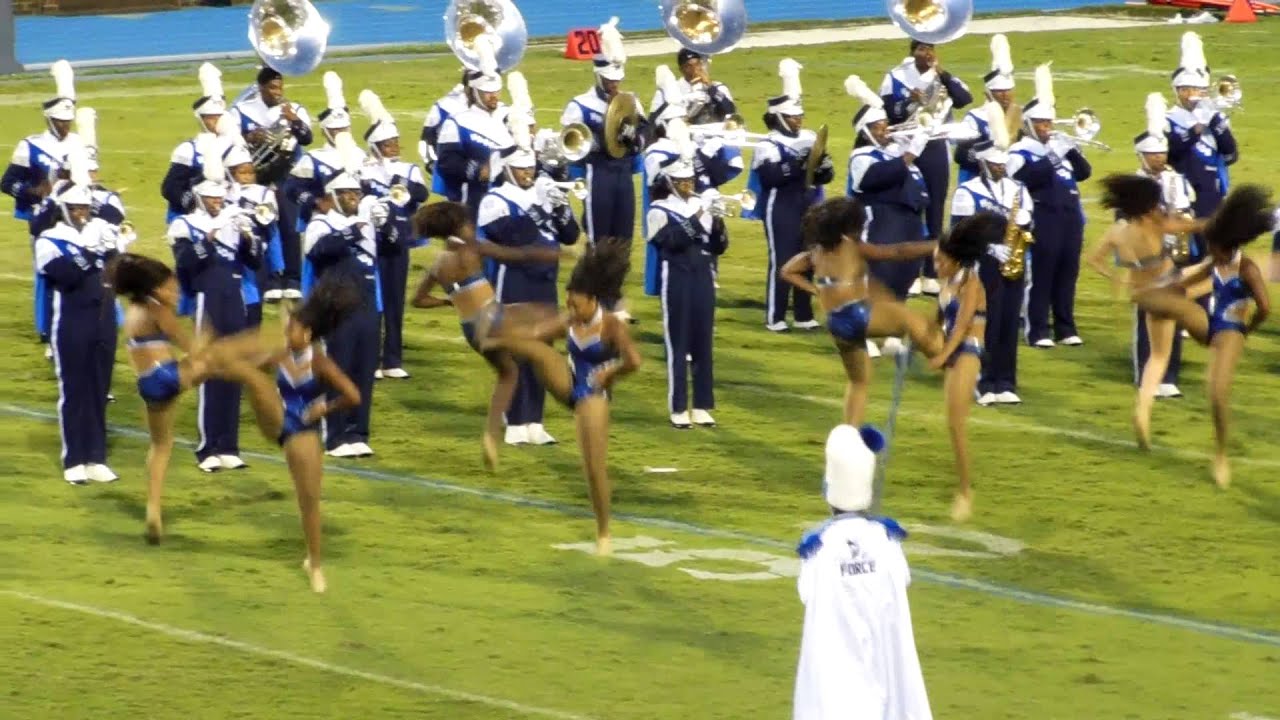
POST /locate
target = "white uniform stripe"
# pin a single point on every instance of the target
(57, 370)
(771, 282)
(200, 398)
(587, 215)
(666, 339)
(501, 280)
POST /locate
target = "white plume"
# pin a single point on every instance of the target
(518, 122)
(210, 81)
(1193, 53)
(666, 82)
(78, 166)
(611, 42)
(373, 108)
(997, 125)
(678, 132)
(487, 54)
(858, 89)
(1001, 55)
(229, 130)
(518, 89)
(210, 150)
(87, 126)
(789, 71)
(333, 91)
(1155, 115)
(352, 156)
(1044, 86)
(64, 80)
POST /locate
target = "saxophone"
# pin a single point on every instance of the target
(1180, 248)
(1017, 240)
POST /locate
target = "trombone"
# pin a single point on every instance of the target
(733, 132)
(956, 131)
(1084, 126)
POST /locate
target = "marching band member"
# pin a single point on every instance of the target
(611, 202)
(471, 144)
(906, 89)
(305, 187)
(706, 100)
(278, 129)
(527, 211)
(71, 257)
(185, 163)
(1201, 145)
(884, 176)
(778, 168)
(1237, 283)
(1050, 165)
(342, 242)
(258, 203)
(687, 237)
(211, 247)
(999, 84)
(382, 172)
(452, 103)
(35, 165)
(715, 163)
(994, 191)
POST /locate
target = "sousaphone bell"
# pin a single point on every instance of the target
(289, 35)
(466, 22)
(705, 26)
(931, 21)
(623, 113)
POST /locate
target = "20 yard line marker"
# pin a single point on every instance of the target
(292, 658)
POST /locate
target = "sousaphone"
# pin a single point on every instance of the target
(623, 112)
(815, 156)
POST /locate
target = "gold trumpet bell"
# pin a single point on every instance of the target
(698, 20)
(921, 12)
(399, 195)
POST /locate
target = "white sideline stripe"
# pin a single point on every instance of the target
(292, 658)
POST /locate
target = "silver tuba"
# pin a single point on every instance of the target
(289, 35)
(466, 21)
(931, 21)
(705, 26)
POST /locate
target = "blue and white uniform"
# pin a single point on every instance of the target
(1202, 156)
(949, 309)
(186, 170)
(469, 142)
(307, 179)
(82, 333)
(35, 160)
(895, 194)
(298, 393)
(611, 203)
(1004, 296)
(443, 109)
(247, 198)
(1231, 300)
(979, 131)
(587, 356)
(395, 239)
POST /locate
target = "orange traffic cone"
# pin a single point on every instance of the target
(1241, 12)
(582, 44)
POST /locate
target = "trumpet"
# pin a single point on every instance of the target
(577, 188)
(127, 233)
(730, 205)
(1227, 95)
(733, 132)
(946, 131)
(398, 195)
(1084, 126)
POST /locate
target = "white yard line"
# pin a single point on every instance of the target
(244, 648)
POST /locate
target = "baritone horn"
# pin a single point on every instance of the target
(468, 22)
(931, 21)
(289, 35)
(264, 213)
(705, 26)
(732, 205)
(574, 142)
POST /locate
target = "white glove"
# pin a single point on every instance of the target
(711, 146)
(1060, 146)
(546, 192)
(999, 251)
(916, 143)
(243, 224)
(111, 239)
(1204, 113)
(1023, 219)
(378, 214)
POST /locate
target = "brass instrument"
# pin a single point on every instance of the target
(468, 23)
(127, 233)
(577, 188)
(930, 113)
(622, 115)
(1084, 126)
(1227, 94)
(732, 132)
(732, 205)
(705, 26)
(574, 142)
(1017, 239)
(945, 131)
(931, 21)
(1180, 247)
(816, 154)
(264, 213)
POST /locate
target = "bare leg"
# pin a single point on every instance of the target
(263, 396)
(957, 388)
(1273, 271)
(305, 455)
(503, 391)
(547, 362)
(1171, 305)
(160, 426)
(892, 318)
(857, 368)
(592, 416)
(1224, 353)
(1161, 332)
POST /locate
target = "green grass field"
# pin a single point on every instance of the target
(1109, 583)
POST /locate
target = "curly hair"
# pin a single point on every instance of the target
(440, 220)
(968, 240)
(1130, 195)
(136, 276)
(826, 223)
(602, 269)
(1243, 216)
(331, 301)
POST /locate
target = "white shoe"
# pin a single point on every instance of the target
(703, 418)
(1168, 390)
(48, 353)
(213, 463)
(362, 449)
(1072, 341)
(914, 290)
(780, 326)
(987, 399)
(273, 296)
(681, 421)
(77, 475)
(343, 451)
(538, 435)
(395, 373)
(377, 374)
(1044, 343)
(98, 472)
(872, 350)
(291, 294)
(1008, 397)
(517, 435)
(930, 286)
(1186, 334)
(808, 325)
(232, 462)
(893, 346)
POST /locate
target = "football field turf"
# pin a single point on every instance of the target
(1094, 581)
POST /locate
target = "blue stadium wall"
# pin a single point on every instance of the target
(43, 39)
